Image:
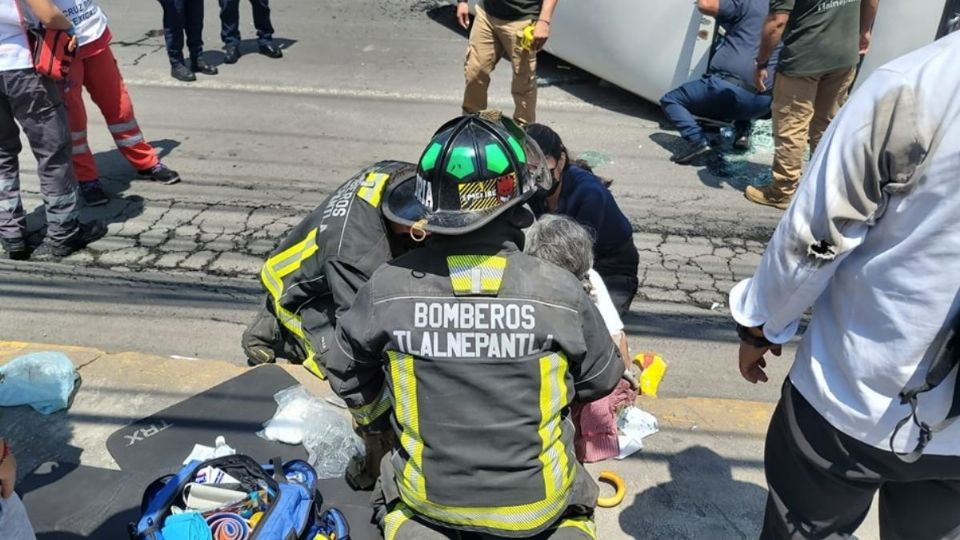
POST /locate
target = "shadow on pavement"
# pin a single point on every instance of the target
(215, 57)
(555, 72)
(702, 500)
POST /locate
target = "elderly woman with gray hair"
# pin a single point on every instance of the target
(562, 241)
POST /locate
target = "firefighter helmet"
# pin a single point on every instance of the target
(472, 171)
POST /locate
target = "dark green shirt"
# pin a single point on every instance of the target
(512, 10)
(821, 35)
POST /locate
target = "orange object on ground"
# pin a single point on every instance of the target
(99, 74)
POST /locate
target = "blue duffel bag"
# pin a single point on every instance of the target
(283, 494)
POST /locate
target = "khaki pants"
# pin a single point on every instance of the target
(490, 39)
(802, 109)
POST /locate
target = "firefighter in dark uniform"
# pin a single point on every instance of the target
(313, 275)
(473, 352)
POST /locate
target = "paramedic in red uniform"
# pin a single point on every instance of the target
(96, 69)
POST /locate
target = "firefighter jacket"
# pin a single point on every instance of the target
(313, 275)
(474, 351)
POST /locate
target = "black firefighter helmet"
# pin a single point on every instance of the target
(472, 171)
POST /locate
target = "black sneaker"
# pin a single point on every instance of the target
(15, 249)
(742, 143)
(161, 173)
(199, 65)
(181, 72)
(693, 151)
(271, 49)
(87, 233)
(231, 53)
(93, 193)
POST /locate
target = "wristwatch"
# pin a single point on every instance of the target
(748, 337)
(760, 65)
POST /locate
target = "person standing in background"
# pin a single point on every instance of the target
(33, 102)
(96, 69)
(230, 29)
(179, 17)
(822, 44)
(499, 30)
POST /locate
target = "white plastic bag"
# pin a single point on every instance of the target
(325, 431)
(42, 380)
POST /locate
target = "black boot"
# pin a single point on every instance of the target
(199, 65)
(231, 53)
(271, 49)
(181, 72)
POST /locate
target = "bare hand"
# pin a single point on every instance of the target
(541, 32)
(752, 361)
(72, 44)
(865, 39)
(8, 476)
(463, 14)
(760, 80)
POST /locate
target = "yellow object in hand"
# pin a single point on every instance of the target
(653, 367)
(526, 41)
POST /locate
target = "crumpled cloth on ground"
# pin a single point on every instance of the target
(596, 423)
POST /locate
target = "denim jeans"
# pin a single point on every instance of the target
(181, 16)
(230, 21)
(715, 98)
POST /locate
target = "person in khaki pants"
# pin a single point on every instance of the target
(822, 44)
(498, 30)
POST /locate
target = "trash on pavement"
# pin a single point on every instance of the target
(42, 380)
(653, 368)
(325, 432)
(635, 424)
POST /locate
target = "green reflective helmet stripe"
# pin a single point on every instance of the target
(497, 160)
(517, 149)
(429, 159)
(460, 163)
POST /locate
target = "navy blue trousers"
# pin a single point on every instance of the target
(714, 98)
(179, 17)
(230, 21)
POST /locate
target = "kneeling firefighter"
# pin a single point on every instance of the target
(312, 277)
(473, 352)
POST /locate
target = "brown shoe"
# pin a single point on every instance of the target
(767, 197)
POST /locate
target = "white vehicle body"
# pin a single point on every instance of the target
(651, 46)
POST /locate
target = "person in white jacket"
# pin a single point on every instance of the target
(95, 69)
(872, 242)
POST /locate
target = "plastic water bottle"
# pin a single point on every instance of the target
(726, 137)
(222, 448)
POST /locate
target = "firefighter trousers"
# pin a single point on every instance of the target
(101, 77)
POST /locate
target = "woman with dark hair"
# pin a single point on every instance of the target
(580, 194)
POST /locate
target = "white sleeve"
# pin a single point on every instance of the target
(603, 302)
(871, 147)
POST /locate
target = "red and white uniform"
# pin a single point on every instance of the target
(95, 69)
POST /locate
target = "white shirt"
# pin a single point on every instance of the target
(14, 47)
(883, 190)
(604, 303)
(87, 17)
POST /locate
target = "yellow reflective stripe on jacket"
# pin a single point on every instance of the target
(558, 475)
(371, 189)
(405, 408)
(583, 523)
(272, 274)
(476, 274)
(395, 520)
(366, 414)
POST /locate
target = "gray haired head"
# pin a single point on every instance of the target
(563, 242)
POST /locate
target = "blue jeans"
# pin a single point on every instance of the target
(181, 16)
(714, 98)
(230, 21)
